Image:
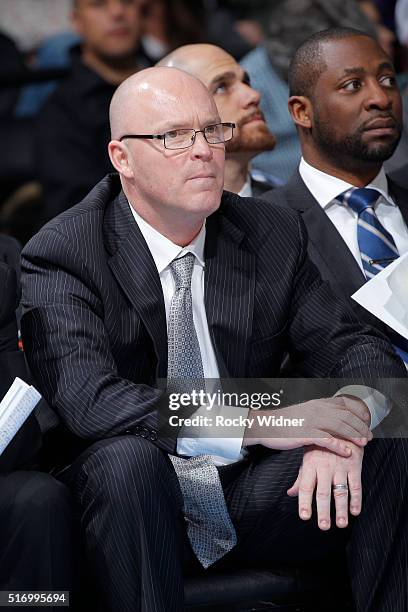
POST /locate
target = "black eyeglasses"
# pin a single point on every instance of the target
(184, 138)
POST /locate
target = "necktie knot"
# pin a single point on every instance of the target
(360, 199)
(182, 270)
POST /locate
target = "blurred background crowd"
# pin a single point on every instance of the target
(63, 59)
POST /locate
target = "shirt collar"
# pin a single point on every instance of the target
(164, 250)
(246, 189)
(325, 188)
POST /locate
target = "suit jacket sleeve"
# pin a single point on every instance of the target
(325, 335)
(326, 339)
(69, 353)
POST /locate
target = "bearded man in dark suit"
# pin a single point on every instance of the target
(346, 105)
(157, 273)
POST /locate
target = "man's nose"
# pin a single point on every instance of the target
(116, 8)
(249, 95)
(201, 148)
(378, 96)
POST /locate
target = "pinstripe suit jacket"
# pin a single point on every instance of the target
(326, 247)
(94, 323)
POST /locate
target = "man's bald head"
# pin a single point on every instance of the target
(144, 93)
(195, 59)
(173, 188)
(235, 99)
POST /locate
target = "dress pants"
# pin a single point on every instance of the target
(35, 533)
(130, 507)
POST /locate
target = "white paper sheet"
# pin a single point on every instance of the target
(15, 407)
(386, 295)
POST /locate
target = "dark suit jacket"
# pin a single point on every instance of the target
(326, 247)
(22, 449)
(94, 323)
(10, 252)
(259, 188)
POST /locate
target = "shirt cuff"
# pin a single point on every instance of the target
(193, 441)
(378, 405)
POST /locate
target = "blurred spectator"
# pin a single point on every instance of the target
(287, 24)
(387, 10)
(73, 127)
(223, 29)
(42, 32)
(385, 35)
(168, 24)
(54, 52)
(401, 21)
(11, 61)
(15, 138)
(29, 22)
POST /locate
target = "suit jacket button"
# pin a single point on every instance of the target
(144, 432)
(153, 436)
(137, 430)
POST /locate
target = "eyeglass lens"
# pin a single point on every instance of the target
(183, 138)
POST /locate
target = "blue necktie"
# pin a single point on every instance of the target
(377, 246)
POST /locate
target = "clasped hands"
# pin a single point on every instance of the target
(334, 433)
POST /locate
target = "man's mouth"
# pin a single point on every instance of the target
(258, 116)
(380, 123)
(119, 31)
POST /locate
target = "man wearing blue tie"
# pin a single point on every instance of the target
(346, 106)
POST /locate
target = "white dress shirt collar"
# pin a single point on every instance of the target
(164, 250)
(325, 188)
(246, 189)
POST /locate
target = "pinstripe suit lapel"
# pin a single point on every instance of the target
(229, 294)
(135, 271)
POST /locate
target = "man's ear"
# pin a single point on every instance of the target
(119, 157)
(301, 111)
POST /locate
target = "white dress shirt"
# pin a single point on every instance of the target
(223, 450)
(246, 189)
(325, 188)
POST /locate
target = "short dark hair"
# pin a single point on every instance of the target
(308, 62)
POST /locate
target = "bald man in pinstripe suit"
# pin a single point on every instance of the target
(96, 293)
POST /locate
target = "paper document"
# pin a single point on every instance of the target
(386, 295)
(18, 403)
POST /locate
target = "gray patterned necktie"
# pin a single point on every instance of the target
(185, 367)
(209, 526)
